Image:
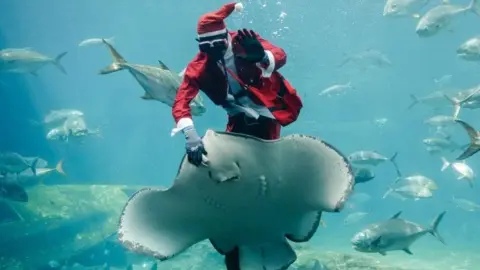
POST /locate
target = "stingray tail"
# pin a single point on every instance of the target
(118, 61)
(434, 227)
(474, 135)
(57, 63)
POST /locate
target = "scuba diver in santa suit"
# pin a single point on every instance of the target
(238, 71)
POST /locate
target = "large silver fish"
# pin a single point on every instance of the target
(470, 49)
(14, 163)
(26, 60)
(245, 197)
(393, 234)
(159, 82)
(73, 127)
(441, 16)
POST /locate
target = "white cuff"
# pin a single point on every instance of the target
(267, 72)
(182, 123)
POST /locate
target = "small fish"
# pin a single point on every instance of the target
(411, 191)
(27, 60)
(417, 179)
(368, 58)
(444, 144)
(336, 89)
(354, 218)
(435, 99)
(470, 49)
(363, 175)
(441, 16)
(14, 163)
(95, 41)
(463, 101)
(402, 8)
(442, 81)
(393, 234)
(440, 120)
(474, 135)
(372, 158)
(461, 168)
(465, 204)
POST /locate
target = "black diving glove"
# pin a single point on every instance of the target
(254, 51)
(194, 146)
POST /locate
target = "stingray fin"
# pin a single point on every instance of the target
(271, 256)
(157, 223)
(307, 227)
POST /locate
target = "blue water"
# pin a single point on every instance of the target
(137, 148)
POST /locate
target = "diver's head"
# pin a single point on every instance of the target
(212, 31)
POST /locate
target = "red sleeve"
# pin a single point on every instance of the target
(187, 91)
(278, 53)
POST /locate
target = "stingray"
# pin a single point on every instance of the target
(251, 193)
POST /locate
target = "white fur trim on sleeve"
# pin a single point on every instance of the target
(182, 123)
(267, 72)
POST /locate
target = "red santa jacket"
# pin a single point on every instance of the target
(271, 90)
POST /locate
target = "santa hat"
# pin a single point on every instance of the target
(211, 24)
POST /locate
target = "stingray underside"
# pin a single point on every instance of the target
(251, 194)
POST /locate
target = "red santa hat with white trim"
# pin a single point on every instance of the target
(212, 24)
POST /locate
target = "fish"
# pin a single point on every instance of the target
(463, 101)
(336, 89)
(354, 218)
(440, 17)
(363, 175)
(440, 120)
(26, 60)
(410, 191)
(393, 234)
(403, 8)
(14, 163)
(371, 158)
(465, 204)
(461, 168)
(158, 82)
(435, 99)
(73, 127)
(444, 144)
(95, 41)
(417, 179)
(236, 201)
(12, 191)
(474, 145)
(368, 58)
(470, 49)
(28, 179)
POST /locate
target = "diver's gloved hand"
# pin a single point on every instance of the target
(254, 51)
(194, 146)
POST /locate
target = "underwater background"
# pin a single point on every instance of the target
(136, 149)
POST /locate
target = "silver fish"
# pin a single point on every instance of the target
(95, 41)
(73, 127)
(461, 169)
(417, 179)
(465, 204)
(393, 234)
(354, 218)
(336, 89)
(410, 191)
(159, 83)
(470, 50)
(26, 60)
(441, 16)
(402, 8)
(14, 163)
